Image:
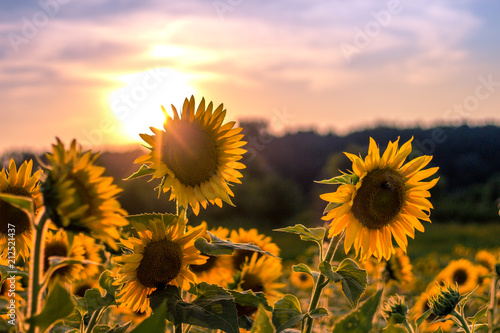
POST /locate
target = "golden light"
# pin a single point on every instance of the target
(138, 104)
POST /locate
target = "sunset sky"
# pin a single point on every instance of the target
(98, 70)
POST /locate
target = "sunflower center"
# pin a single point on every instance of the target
(160, 264)
(80, 291)
(56, 249)
(204, 267)
(253, 282)
(13, 215)
(240, 256)
(190, 152)
(460, 276)
(379, 198)
(303, 277)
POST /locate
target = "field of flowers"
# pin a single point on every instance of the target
(73, 260)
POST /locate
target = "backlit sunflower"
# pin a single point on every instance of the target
(422, 305)
(18, 182)
(92, 253)
(241, 235)
(301, 280)
(399, 269)
(196, 155)
(486, 259)
(384, 198)
(161, 256)
(214, 271)
(260, 274)
(57, 244)
(462, 272)
(78, 288)
(77, 196)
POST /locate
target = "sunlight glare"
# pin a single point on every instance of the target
(138, 104)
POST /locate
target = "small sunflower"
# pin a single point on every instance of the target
(161, 256)
(78, 197)
(399, 268)
(195, 155)
(386, 199)
(57, 244)
(486, 259)
(18, 182)
(92, 253)
(462, 272)
(241, 235)
(301, 280)
(78, 288)
(260, 274)
(214, 271)
(422, 305)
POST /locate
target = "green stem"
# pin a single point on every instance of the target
(321, 282)
(408, 326)
(465, 326)
(35, 287)
(95, 319)
(493, 302)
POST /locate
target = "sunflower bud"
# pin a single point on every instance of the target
(395, 310)
(445, 301)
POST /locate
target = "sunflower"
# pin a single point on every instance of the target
(78, 288)
(462, 272)
(161, 256)
(422, 305)
(92, 253)
(57, 244)
(301, 280)
(486, 259)
(383, 198)
(18, 182)
(260, 274)
(214, 271)
(195, 155)
(239, 257)
(78, 197)
(399, 269)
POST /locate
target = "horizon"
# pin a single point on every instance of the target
(99, 71)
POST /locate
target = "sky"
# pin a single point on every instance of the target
(99, 70)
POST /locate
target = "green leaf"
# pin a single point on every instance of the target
(326, 269)
(19, 201)
(6, 272)
(144, 170)
(306, 234)
(95, 300)
(262, 323)
(343, 179)
(354, 280)
(287, 313)
(213, 307)
(359, 320)
(439, 330)
(154, 323)
(394, 329)
(58, 305)
(219, 246)
(304, 269)
(480, 314)
(119, 328)
(101, 329)
(249, 298)
(423, 317)
(106, 282)
(332, 205)
(318, 313)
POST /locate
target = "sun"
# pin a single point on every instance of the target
(137, 105)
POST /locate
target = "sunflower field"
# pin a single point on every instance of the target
(74, 260)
